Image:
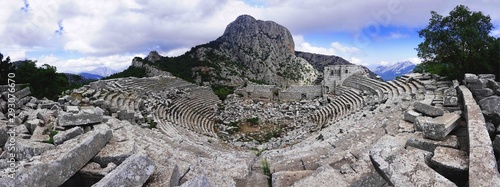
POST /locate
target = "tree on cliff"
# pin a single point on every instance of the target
(44, 81)
(5, 68)
(459, 43)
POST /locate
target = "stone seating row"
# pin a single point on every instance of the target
(339, 107)
(194, 112)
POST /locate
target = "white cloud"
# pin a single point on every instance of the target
(396, 35)
(414, 60)
(176, 52)
(15, 55)
(335, 48)
(116, 62)
(495, 33)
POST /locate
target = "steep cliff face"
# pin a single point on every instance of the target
(264, 50)
(319, 61)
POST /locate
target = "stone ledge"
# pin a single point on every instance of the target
(482, 163)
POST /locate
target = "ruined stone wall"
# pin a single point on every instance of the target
(259, 92)
(336, 74)
(297, 93)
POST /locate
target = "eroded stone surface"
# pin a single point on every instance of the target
(401, 167)
(450, 162)
(287, 178)
(429, 145)
(427, 109)
(84, 117)
(134, 171)
(439, 127)
(411, 115)
(60, 137)
(55, 166)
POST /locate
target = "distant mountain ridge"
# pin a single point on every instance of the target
(102, 71)
(90, 76)
(391, 72)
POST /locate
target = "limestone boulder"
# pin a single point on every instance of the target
(55, 166)
(86, 116)
(115, 152)
(134, 171)
(402, 167)
(25, 149)
(198, 181)
(287, 178)
(411, 115)
(427, 109)
(429, 145)
(439, 127)
(3, 132)
(61, 137)
(491, 108)
(451, 163)
(482, 93)
(323, 176)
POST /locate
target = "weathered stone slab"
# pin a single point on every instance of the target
(400, 167)
(496, 144)
(62, 136)
(48, 105)
(486, 76)
(411, 115)
(84, 117)
(198, 181)
(482, 163)
(32, 124)
(491, 108)
(44, 116)
(134, 171)
(38, 134)
(287, 178)
(450, 101)
(24, 149)
(55, 166)
(98, 85)
(256, 179)
(439, 127)
(427, 109)
(95, 169)
(72, 109)
(115, 152)
(306, 162)
(323, 176)
(429, 145)
(420, 121)
(3, 132)
(452, 163)
(482, 93)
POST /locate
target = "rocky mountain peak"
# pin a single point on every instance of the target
(153, 56)
(258, 35)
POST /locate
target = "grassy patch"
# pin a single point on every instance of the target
(267, 171)
(152, 124)
(51, 137)
(253, 121)
(222, 91)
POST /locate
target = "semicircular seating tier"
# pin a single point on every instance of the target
(170, 102)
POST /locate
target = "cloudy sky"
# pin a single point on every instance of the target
(78, 36)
